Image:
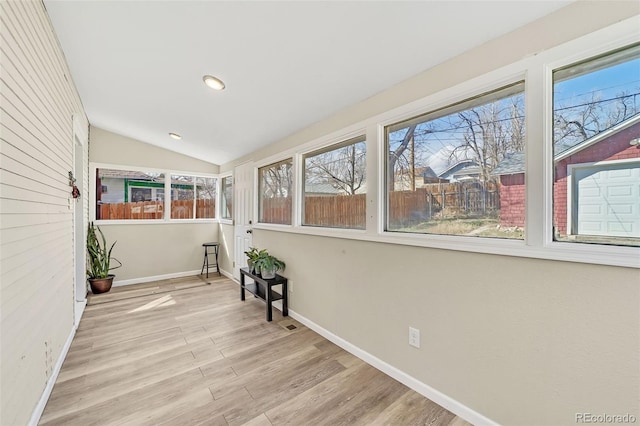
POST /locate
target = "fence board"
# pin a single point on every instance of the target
(180, 209)
(342, 211)
(440, 200)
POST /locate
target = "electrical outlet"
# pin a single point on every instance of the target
(290, 286)
(414, 337)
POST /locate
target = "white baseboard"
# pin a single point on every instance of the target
(227, 274)
(46, 393)
(427, 391)
(78, 311)
(156, 278)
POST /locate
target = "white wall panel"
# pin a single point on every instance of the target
(37, 103)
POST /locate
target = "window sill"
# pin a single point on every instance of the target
(569, 252)
(154, 222)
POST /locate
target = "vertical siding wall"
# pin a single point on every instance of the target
(37, 103)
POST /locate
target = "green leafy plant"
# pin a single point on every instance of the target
(99, 261)
(269, 265)
(253, 255)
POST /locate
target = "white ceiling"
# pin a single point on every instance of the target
(138, 65)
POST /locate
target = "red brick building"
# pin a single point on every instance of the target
(596, 185)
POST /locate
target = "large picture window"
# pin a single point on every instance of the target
(596, 150)
(335, 186)
(129, 194)
(460, 170)
(275, 188)
(124, 194)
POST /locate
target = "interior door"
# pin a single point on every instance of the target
(243, 214)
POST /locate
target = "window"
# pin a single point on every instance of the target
(459, 170)
(128, 194)
(335, 186)
(226, 198)
(275, 184)
(125, 194)
(596, 150)
(193, 197)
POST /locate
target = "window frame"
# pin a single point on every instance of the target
(571, 60)
(294, 190)
(318, 151)
(536, 71)
(94, 166)
(468, 102)
(221, 178)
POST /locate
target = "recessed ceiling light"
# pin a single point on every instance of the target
(214, 83)
(175, 135)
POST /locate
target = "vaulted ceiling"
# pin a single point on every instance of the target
(138, 65)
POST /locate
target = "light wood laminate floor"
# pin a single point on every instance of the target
(189, 352)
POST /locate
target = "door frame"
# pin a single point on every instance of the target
(243, 213)
(78, 207)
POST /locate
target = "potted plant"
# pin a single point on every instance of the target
(269, 265)
(99, 261)
(253, 254)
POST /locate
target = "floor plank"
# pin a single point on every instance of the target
(187, 351)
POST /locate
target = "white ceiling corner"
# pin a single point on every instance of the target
(138, 65)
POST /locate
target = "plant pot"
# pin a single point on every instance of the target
(101, 285)
(268, 274)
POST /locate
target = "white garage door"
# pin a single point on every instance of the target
(608, 200)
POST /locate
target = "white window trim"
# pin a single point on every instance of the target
(93, 166)
(536, 70)
(219, 188)
(342, 143)
(281, 157)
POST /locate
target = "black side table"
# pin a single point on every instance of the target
(205, 261)
(263, 289)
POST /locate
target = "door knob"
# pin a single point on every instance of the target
(249, 231)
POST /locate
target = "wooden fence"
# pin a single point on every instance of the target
(444, 200)
(439, 200)
(180, 209)
(276, 210)
(336, 211)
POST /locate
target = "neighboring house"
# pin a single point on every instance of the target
(462, 171)
(320, 190)
(429, 176)
(596, 185)
(118, 186)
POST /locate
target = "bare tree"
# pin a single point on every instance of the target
(491, 132)
(576, 123)
(397, 155)
(343, 168)
(277, 180)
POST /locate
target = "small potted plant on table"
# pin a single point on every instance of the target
(99, 261)
(269, 265)
(253, 254)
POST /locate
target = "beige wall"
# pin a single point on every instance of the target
(226, 248)
(159, 250)
(38, 101)
(520, 341)
(151, 250)
(112, 148)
